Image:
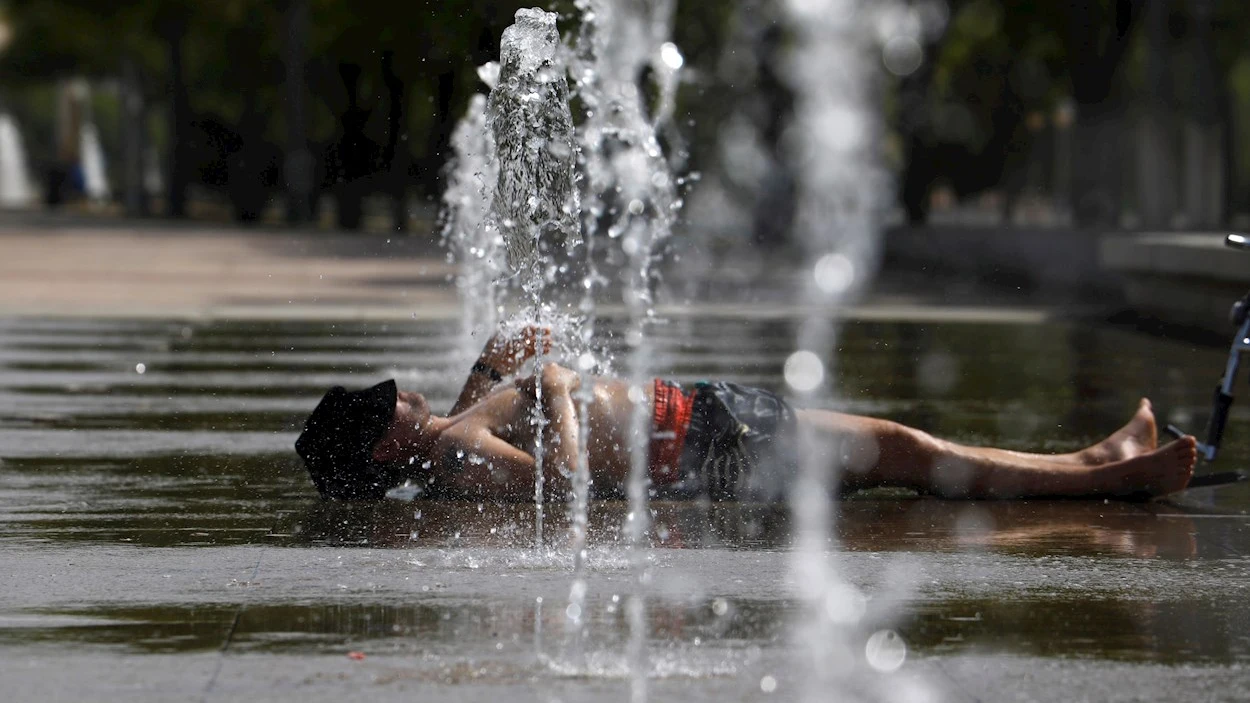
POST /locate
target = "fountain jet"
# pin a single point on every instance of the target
(535, 199)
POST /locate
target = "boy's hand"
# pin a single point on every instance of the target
(506, 354)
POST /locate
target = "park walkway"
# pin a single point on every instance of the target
(73, 267)
(82, 267)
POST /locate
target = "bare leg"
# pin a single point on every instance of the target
(883, 453)
(1139, 436)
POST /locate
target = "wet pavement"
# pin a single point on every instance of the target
(161, 542)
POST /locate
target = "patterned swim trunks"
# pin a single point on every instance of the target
(737, 443)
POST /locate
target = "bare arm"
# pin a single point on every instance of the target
(561, 428)
(500, 358)
(479, 463)
(510, 471)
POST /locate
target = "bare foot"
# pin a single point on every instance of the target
(1163, 471)
(1138, 437)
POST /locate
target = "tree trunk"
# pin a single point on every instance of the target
(1096, 43)
(134, 139)
(1097, 166)
(395, 154)
(1204, 140)
(1204, 174)
(298, 164)
(179, 124)
(1156, 168)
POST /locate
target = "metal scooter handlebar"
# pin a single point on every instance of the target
(1223, 398)
(1215, 426)
(1222, 401)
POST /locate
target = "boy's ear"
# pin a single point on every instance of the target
(384, 451)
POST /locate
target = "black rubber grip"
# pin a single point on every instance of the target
(1219, 416)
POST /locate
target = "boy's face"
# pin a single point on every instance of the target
(412, 414)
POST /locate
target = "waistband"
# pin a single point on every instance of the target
(670, 420)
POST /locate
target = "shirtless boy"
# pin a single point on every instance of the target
(714, 440)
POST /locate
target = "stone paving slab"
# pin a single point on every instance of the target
(334, 679)
(190, 271)
(214, 272)
(459, 664)
(1008, 679)
(312, 678)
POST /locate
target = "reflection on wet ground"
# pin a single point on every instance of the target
(151, 504)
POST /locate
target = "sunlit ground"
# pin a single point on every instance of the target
(153, 509)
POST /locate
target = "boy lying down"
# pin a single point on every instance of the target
(715, 440)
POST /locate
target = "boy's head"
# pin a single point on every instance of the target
(338, 440)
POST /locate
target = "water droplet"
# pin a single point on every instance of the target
(140, 368)
(768, 684)
(636, 207)
(902, 55)
(834, 273)
(720, 606)
(804, 371)
(886, 651)
(671, 55)
(586, 361)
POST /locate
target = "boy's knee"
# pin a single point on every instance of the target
(910, 442)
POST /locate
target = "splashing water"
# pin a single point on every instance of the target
(631, 195)
(535, 200)
(526, 127)
(517, 151)
(843, 191)
(471, 175)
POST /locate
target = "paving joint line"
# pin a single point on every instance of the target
(234, 626)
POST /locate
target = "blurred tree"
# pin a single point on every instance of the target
(218, 68)
(1096, 39)
(418, 58)
(154, 46)
(59, 39)
(1230, 24)
(961, 115)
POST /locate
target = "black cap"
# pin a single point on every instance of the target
(338, 438)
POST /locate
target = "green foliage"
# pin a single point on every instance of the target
(993, 53)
